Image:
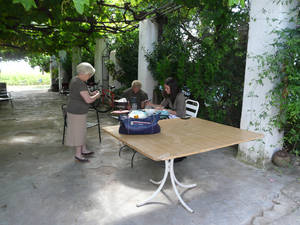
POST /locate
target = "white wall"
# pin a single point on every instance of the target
(148, 34)
(99, 52)
(260, 37)
(113, 82)
(53, 66)
(61, 71)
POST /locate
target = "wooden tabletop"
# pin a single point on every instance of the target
(180, 138)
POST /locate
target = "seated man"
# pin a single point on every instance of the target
(135, 96)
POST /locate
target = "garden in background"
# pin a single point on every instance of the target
(22, 73)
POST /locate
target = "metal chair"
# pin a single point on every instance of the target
(134, 152)
(4, 95)
(89, 124)
(192, 107)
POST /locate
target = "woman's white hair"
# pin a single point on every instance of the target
(85, 68)
(136, 83)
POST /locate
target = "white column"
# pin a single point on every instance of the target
(148, 34)
(255, 114)
(53, 71)
(99, 52)
(76, 59)
(112, 81)
(61, 71)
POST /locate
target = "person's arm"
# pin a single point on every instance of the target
(143, 100)
(180, 106)
(147, 102)
(161, 106)
(88, 98)
(172, 112)
(125, 94)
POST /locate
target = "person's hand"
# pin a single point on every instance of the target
(159, 108)
(147, 102)
(97, 94)
(171, 111)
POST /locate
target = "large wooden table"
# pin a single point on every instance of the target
(179, 138)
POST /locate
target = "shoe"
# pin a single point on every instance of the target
(81, 159)
(179, 159)
(87, 153)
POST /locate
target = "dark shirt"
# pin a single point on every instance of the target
(178, 106)
(76, 104)
(138, 97)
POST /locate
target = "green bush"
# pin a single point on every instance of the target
(208, 57)
(41, 60)
(126, 46)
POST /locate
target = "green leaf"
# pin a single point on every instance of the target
(27, 4)
(242, 3)
(236, 2)
(232, 2)
(79, 5)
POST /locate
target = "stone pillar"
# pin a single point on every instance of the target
(255, 114)
(76, 59)
(54, 74)
(61, 71)
(113, 82)
(148, 35)
(99, 52)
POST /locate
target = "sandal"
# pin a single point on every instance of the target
(87, 153)
(81, 159)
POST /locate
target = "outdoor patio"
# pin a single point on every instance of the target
(41, 183)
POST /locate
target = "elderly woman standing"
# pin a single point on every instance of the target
(77, 109)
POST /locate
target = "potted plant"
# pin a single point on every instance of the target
(281, 158)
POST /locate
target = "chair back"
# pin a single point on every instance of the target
(64, 109)
(3, 90)
(192, 107)
(64, 112)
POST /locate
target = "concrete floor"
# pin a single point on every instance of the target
(41, 184)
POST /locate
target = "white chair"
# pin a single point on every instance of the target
(192, 107)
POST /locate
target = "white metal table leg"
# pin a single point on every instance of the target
(169, 168)
(177, 182)
(162, 182)
(184, 185)
(173, 180)
(155, 182)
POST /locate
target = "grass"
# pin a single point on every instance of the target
(18, 78)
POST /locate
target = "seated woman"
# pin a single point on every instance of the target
(77, 109)
(174, 101)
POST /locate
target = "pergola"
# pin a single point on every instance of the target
(259, 41)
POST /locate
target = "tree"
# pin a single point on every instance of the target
(205, 49)
(48, 26)
(126, 46)
(41, 60)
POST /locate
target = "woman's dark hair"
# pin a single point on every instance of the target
(174, 89)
